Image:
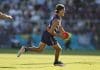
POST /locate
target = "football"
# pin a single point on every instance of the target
(65, 35)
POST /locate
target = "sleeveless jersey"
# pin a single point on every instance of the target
(52, 19)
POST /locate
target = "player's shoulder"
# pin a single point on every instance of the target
(56, 21)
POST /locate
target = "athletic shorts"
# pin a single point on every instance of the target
(48, 39)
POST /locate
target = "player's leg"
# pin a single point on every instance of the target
(22, 50)
(58, 49)
(34, 49)
(37, 49)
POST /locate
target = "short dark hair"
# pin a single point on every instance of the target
(59, 7)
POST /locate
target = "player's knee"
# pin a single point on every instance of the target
(59, 49)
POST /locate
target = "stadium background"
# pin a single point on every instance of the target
(32, 16)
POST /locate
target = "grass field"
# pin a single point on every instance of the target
(73, 60)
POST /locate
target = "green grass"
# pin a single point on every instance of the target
(73, 60)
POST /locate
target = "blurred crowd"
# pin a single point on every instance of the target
(32, 16)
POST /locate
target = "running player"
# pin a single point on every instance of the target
(48, 35)
(4, 16)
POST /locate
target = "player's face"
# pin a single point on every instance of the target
(62, 12)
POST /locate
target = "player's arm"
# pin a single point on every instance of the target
(61, 29)
(54, 25)
(4, 16)
(68, 35)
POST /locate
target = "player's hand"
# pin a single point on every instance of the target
(66, 35)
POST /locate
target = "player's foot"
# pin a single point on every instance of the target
(22, 50)
(58, 63)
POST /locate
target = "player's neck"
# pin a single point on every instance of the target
(58, 15)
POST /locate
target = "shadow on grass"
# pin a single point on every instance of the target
(90, 63)
(8, 67)
(36, 64)
(24, 67)
(48, 64)
(45, 65)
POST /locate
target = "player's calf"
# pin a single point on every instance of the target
(22, 50)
